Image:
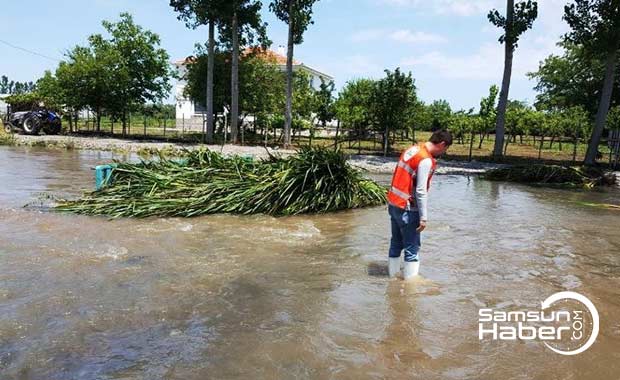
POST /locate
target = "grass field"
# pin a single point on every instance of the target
(526, 151)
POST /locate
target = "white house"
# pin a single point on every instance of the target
(3, 106)
(192, 115)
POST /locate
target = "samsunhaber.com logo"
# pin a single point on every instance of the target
(567, 323)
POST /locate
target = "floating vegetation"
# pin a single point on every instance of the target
(553, 175)
(316, 180)
(606, 206)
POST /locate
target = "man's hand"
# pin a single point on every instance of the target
(422, 226)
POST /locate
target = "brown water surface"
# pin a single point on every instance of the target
(231, 297)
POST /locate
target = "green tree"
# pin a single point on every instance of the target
(260, 83)
(260, 89)
(595, 24)
(575, 122)
(141, 72)
(198, 68)
(574, 78)
(419, 117)
(325, 111)
(113, 75)
(261, 95)
(303, 96)
(298, 15)
(353, 106)
(392, 98)
(49, 89)
(12, 87)
(518, 118)
(613, 118)
(91, 77)
(488, 114)
(459, 126)
(519, 18)
(211, 13)
(440, 113)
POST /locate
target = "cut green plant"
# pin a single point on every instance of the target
(316, 180)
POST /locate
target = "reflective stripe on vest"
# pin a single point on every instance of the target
(403, 164)
(401, 192)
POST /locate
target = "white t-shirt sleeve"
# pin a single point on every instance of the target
(421, 193)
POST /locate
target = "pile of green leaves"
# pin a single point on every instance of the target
(552, 175)
(316, 180)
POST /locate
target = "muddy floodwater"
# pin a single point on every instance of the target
(305, 297)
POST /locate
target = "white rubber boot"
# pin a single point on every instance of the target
(411, 269)
(393, 266)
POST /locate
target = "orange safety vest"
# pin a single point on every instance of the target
(401, 193)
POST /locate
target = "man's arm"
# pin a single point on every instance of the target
(421, 193)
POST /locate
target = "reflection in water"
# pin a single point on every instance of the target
(299, 297)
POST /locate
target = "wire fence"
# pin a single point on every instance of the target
(191, 129)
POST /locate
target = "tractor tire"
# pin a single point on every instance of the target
(31, 125)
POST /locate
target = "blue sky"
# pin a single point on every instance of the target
(448, 45)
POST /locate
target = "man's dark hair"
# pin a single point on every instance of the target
(441, 136)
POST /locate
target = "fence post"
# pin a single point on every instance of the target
(165, 119)
(183, 131)
(144, 121)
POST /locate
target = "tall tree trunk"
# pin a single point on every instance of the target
(503, 95)
(386, 142)
(603, 108)
(482, 135)
(234, 104)
(288, 114)
(542, 140)
(210, 63)
(97, 125)
(124, 121)
(471, 145)
(336, 138)
(575, 142)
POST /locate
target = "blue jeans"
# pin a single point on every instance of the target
(404, 234)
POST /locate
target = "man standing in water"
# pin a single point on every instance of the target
(407, 198)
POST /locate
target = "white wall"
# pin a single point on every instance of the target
(184, 107)
(3, 105)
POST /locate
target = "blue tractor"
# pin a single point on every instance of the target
(33, 122)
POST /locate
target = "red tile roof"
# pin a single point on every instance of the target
(268, 55)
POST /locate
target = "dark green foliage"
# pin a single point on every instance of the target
(315, 180)
(574, 78)
(12, 87)
(296, 13)
(24, 102)
(524, 14)
(324, 107)
(595, 24)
